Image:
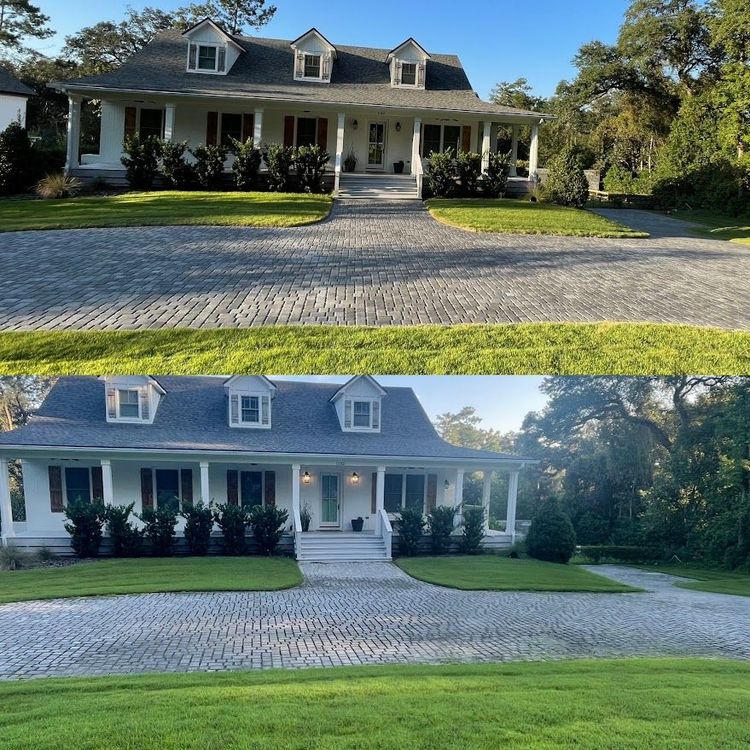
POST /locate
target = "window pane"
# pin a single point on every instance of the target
(78, 485)
(307, 131)
(312, 66)
(361, 413)
(168, 488)
(207, 58)
(250, 409)
(150, 123)
(392, 495)
(409, 74)
(231, 127)
(430, 139)
(415, 491)
(251, 488)
(452, 138)
(128, 403)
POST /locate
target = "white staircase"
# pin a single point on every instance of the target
(340, 546)
(386, 187)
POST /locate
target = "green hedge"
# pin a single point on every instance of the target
(619, 552)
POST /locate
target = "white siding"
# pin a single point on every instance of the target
(12, 109)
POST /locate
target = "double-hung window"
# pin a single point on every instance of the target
(250, 409)
(362, 414)
(404, 491)
(312, 66)
(207, 55)
(128, 402)
(78, 484)
(408, 74)
(440, 138)
(168, 488)
(251, 488)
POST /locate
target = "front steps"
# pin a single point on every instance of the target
(339, 546)
(387, 187)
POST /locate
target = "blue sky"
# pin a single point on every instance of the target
(501, 400)
(496, 39)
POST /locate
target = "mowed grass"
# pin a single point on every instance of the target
(639, 704)
(717, 226)
(496, 573)
(523, 217)
(150, 576)
(702, 579)
(165, 208)
(540, 348)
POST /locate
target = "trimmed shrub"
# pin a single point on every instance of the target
(468, 168)
(410, 525)
(246, 164)
(551, 536)
(14, 558)
(441, 174)
(310, 163)
(268, 526)
(142, 161)
(566, 183)
(178, 173)
(440, 522)
(16, 160)
(127, 539)
(159, 528)
(233, 521)
(58, 186)
(84, 524)
(470, 542)
(496, 177)
(199, 522)
(209, 165)
(279, 160)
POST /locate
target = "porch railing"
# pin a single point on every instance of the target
(297, 532)
(384, 529)
(419, 174)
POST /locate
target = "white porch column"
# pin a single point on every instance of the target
(295, 491)
(510, 519)
(415, 143)
(339, 149)
(534, 152)
(74, 132)
(107, 486)
(458, 498)
(169, 110)
(6, 509)
(205, 489)
(514, 152)
(486, 146)
(258, 127)
(486, 490)
(380, 489)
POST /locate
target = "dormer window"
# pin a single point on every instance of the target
(312, 66)
(211, 49)
(128, 403)
(207, 57)
(408, 74)
(408, 64)
(313, 57)
(132, 399)
(362, 415)
(250, 400)
(250, 409)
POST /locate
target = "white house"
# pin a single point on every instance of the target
(13, 98)
(342, 452)
(384, 107)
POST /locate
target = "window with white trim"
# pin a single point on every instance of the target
(404, 491)
(440, 138)
(249, 409)
(362, 414)
(128, 403)
(313, 64)
(207, 58)
(408, 74)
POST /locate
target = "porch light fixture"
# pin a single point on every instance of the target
(355, 125)
(398, 127)
(355, 478)
(306, 478)
(446, 484)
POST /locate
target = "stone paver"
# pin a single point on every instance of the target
(364, 613)
(369, 264)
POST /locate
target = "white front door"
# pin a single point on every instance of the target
(330, 512)
(376, 145)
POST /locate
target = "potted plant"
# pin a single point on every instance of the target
(358, 523)
(350, 162)
(398, 167)
(305, 517)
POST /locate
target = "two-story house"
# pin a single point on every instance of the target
(343, 452)
(384, 107)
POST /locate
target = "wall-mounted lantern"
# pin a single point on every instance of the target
(398, 127)
(306, 478)
(355, 478)
(355, 125)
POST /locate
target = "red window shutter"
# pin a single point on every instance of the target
(288, 131)
(374, 499)
(466, 138)
(147, 489)
(270, 488)
(212, 128)
(431, 492)
(130, 118)
(55, 489)
(97, 484)
(322, 139)
(186, 486)
(232, 495)
(248, 127)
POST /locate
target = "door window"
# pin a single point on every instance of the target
(376, 148)
(330, 510)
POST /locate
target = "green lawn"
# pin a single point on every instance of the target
(718, 226)
(495, 573)
(149, 576)
(702, 579)
(546, 348)
(638, 704)
(165, 208)
(523, 217)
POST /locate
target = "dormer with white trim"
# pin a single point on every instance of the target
(408, 64)
(132, 399)
(249, 399)
(314, 56)
(210, 49)
(359, 404)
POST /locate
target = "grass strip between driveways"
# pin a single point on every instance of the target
(510, 216)
(165, 208)
(703, 579)
(540, 348)
(150, 576)
(496, 573)
(718, 226)
(629, 704)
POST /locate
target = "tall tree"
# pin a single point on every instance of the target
(20, 20)
(235, 16)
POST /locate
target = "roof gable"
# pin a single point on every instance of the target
(313, 33)
(412, 43)
(9, 84)
(207, 23)
(360, 385)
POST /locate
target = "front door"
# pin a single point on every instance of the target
(376, 146)
(331, 501)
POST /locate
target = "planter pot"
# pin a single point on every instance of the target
(357, 524)
(398, 167)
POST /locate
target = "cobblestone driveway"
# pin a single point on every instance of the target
(362, 614)
(369, 264)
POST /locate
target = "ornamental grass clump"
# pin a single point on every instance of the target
(268, 526)
(84, 524)
(410, 525)
(14, 558)
(246, 163)
(199, 522)
(440, 523)
(58, 185)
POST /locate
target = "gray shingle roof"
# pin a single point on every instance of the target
(11, 85)
(360, 76)
(193, 416)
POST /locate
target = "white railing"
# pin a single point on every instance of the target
(384, 530)
(419, 174)
(297, 533)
